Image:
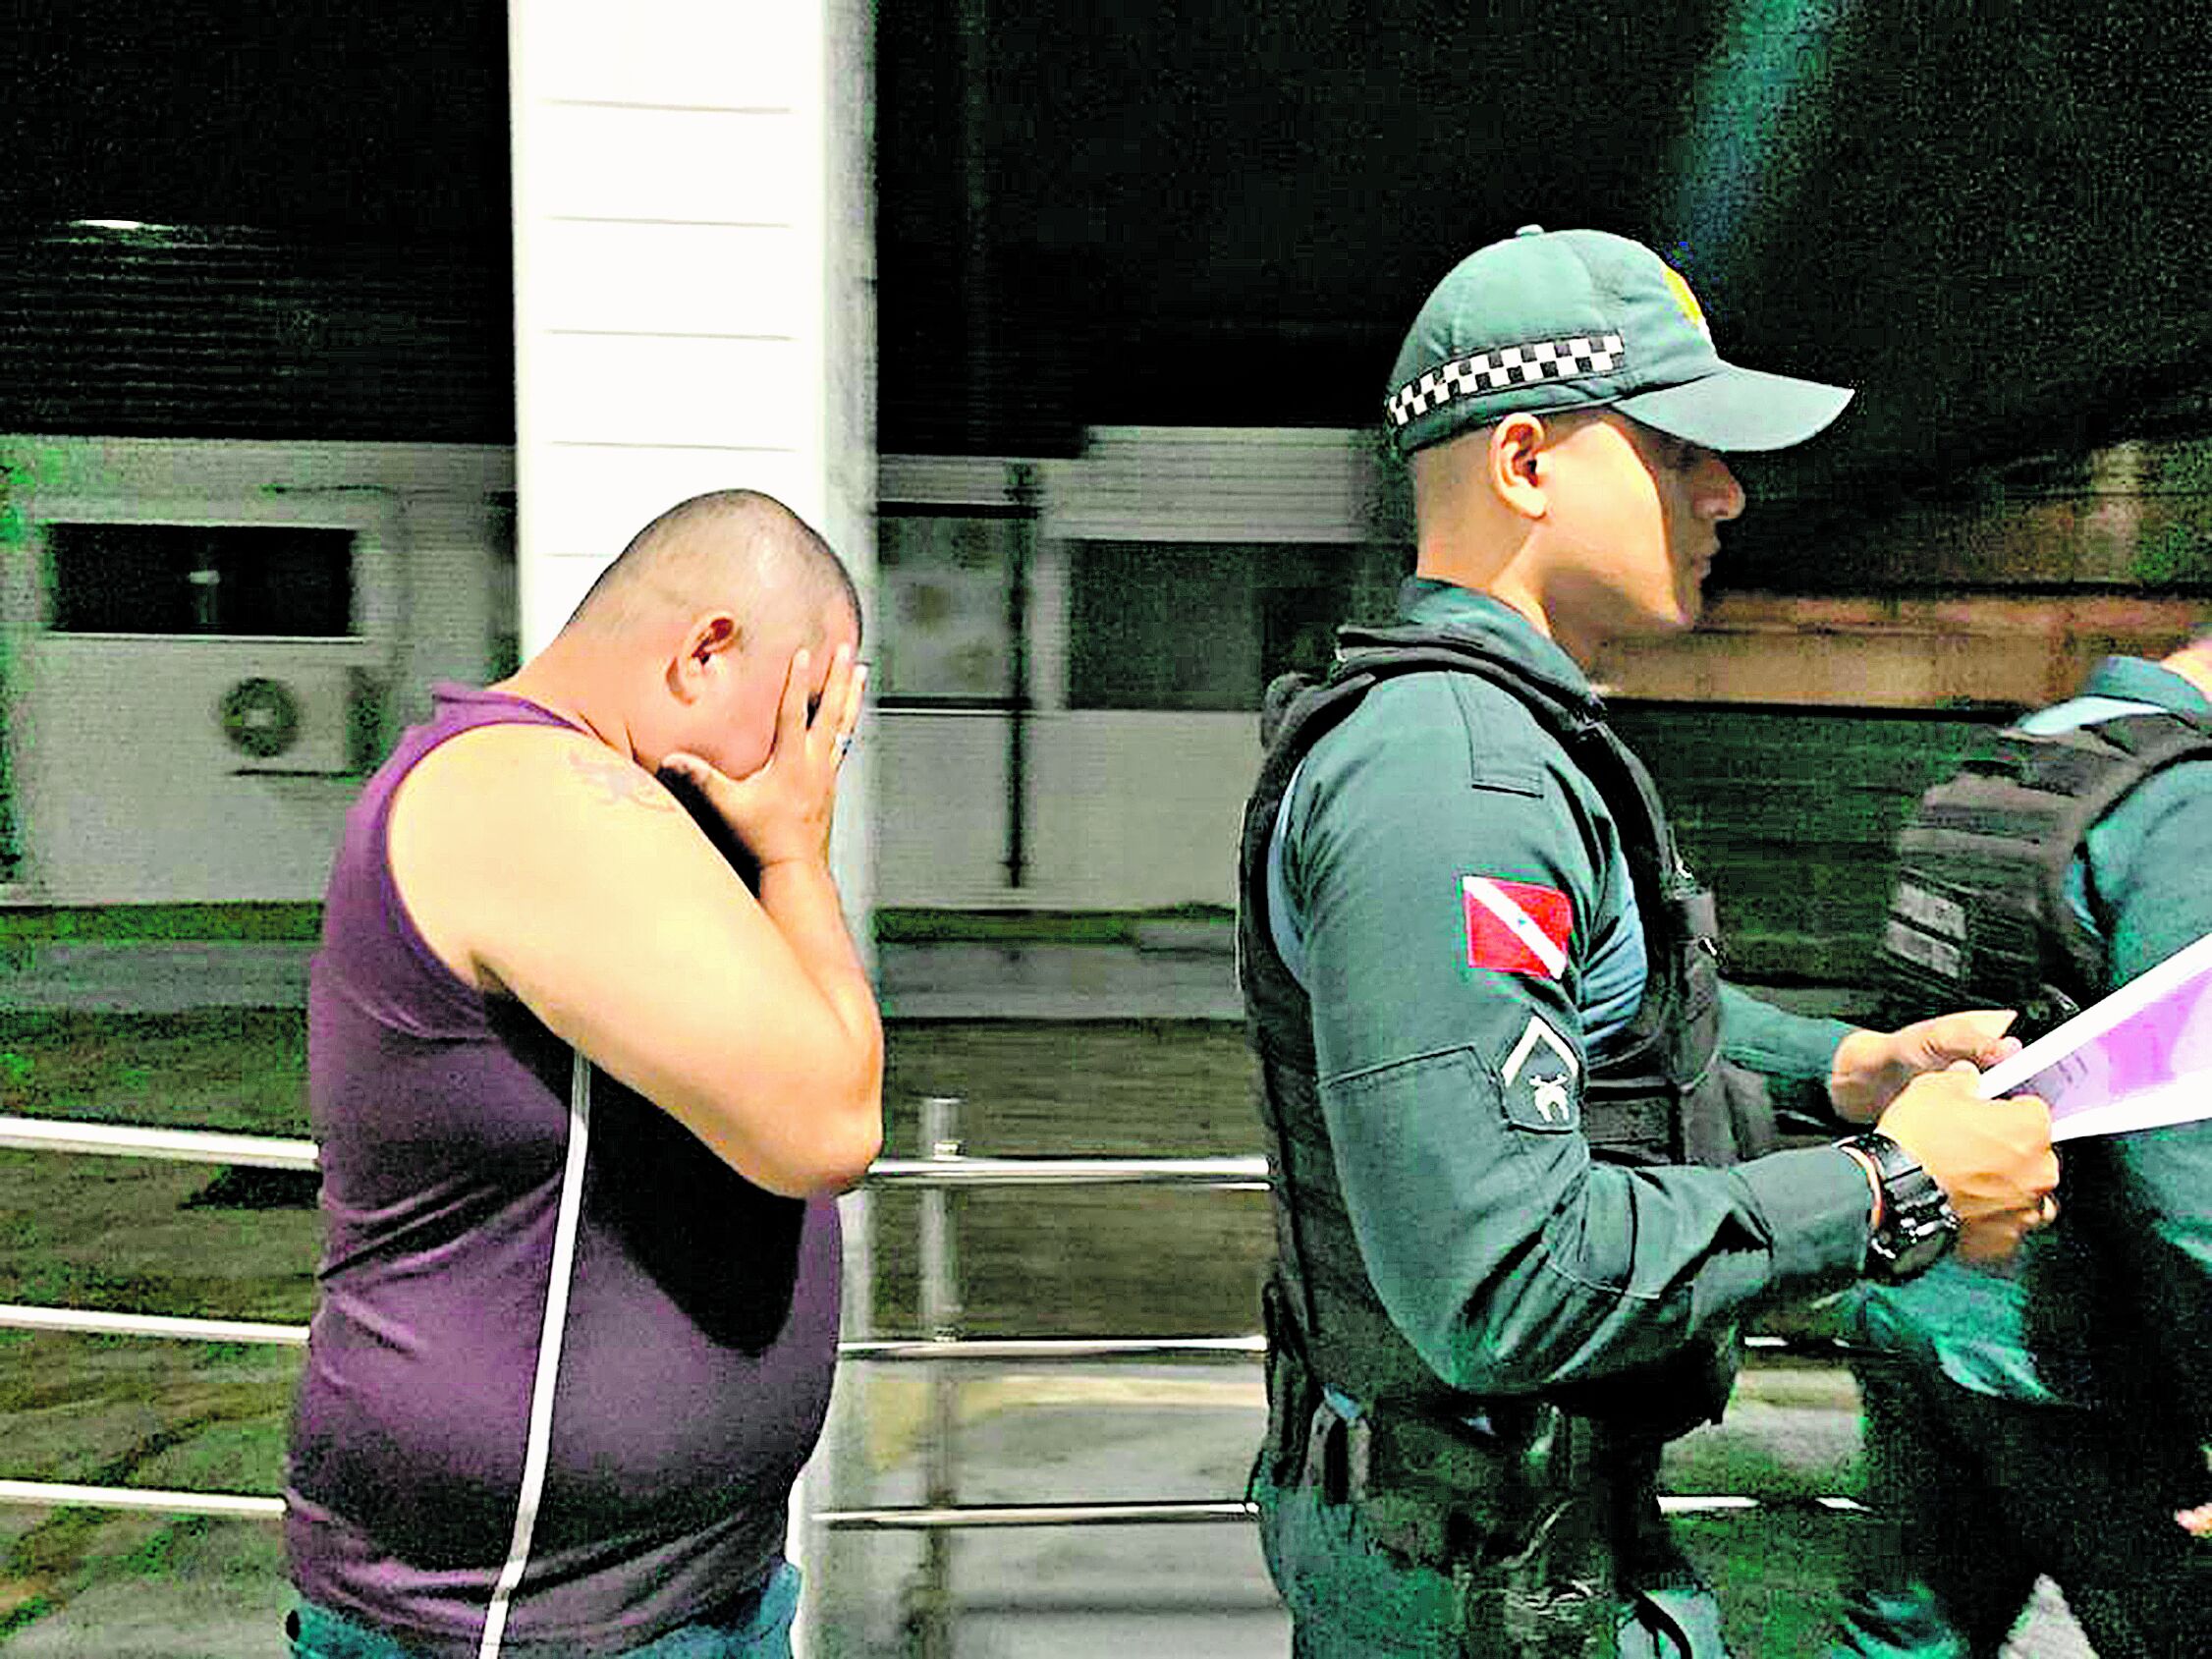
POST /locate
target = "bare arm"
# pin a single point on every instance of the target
(801, 899)
(537, 864)
(783, 814)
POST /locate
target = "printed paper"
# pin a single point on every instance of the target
(2140, 1058)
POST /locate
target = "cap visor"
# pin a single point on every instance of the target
(1738, 408)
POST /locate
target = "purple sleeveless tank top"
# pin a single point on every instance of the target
(485, 1214)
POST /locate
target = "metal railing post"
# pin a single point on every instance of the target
(932, 1600)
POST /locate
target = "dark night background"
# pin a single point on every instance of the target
(1993, 220)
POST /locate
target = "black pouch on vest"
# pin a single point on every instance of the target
(1292, 1394)
(1436, 1493)
(1662, 1398)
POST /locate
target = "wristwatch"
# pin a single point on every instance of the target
(1917, 1222)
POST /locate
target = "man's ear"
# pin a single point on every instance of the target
(710, 646)
(1514, 476)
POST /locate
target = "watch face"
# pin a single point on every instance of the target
(1921, 1252)
(1914, 1243)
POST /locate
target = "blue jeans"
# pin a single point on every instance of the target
(763, 1633)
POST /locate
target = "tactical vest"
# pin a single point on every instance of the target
(1659, 1096)
(1980, 913)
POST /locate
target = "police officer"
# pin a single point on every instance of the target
(2050, 1419)
(1481, 985)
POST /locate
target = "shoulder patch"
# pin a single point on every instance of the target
(1539, 1076)
(1516, 926)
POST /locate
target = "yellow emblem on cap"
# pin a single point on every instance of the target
(1686, 300)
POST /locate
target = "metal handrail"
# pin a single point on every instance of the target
(937, 1175)
(876, 1351)
(43, 1494)
(1156, 1512)
(19, 1316)
(54, 1494)
(925, 1517)
(212, 1146)
(1055, 1350)
(961, 1171)
(134, 1140)
(979, 1351)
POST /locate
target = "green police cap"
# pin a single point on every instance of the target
(1550, 320)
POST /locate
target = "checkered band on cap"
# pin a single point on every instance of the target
(1502, 368)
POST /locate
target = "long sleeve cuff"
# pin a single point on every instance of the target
(1815, 1203)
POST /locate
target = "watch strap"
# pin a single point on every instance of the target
(1916, 1224)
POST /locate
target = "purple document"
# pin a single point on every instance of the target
(2140, 1058)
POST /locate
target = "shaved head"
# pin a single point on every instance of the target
(733, 548)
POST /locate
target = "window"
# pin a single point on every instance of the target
(200, 579)
(944, 584)
(1198, 626)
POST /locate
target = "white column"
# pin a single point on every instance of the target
(693, 301)
(694, 295)
(694, 284)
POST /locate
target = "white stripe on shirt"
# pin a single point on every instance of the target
(538, 1441)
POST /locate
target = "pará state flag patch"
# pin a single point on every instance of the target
(1516, 926)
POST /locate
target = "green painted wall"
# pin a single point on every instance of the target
(1791, 815)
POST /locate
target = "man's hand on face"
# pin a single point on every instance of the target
(782, 811)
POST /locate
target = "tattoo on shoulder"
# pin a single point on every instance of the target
(616, 782)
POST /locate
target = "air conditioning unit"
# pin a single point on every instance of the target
(318, 720)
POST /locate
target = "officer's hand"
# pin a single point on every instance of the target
(1871, 1066)
(782, 811)
(1992, 1158)
(2196, 1522)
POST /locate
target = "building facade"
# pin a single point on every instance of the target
(210, 640)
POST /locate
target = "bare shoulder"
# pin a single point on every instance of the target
(499, 777)
(491, 819)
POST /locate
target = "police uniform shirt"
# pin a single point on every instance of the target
(1452, 893)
